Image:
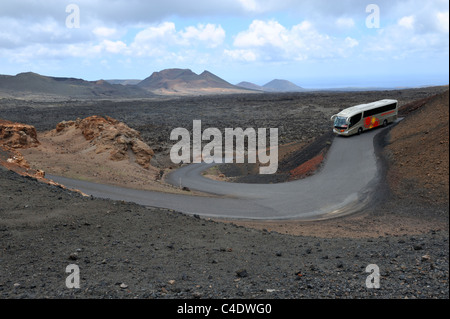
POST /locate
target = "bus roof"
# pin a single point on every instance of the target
(364, 107)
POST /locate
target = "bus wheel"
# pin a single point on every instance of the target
(385, 123)
(360, 130)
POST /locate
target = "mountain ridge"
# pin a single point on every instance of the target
(168, 82)
(275, 85)
(30, 83)
(278, 85)
(185, 81)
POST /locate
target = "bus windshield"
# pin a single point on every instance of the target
(340, 122)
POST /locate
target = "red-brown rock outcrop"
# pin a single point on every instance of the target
(17, 135)
(110, 135)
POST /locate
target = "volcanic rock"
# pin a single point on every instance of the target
(108, 134)
(17, 135)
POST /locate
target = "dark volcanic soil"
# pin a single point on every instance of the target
(125, 250)
(155, 253)
(299, 117)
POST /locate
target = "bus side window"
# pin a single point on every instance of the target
(355, 119)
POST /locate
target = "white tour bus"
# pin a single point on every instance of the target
(359, 118)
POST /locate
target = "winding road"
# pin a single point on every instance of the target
(344, 185)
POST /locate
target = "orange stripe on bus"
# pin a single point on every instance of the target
(387, 113)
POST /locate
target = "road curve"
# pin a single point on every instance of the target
(343, 185)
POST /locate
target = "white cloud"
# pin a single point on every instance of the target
(164, 32)
(261, 33)
(443, 21)
(408, 38)
(241, 55)
(103, 32)
(51, 41)
(249, 5)
(345, 23)
(158, 39)
(15, 33)
(209, 34)
(34, 32)
(351, 42)
(271, 41)
(113, 46)
(407, 22)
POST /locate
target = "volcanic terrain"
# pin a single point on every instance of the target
(128, 251)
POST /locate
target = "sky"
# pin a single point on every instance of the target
(312, 43)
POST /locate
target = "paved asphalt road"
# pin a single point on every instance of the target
(342, 186)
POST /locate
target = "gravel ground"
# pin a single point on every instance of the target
(127, 251)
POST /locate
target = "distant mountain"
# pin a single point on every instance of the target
(273, 86)
(186, 82)
(250, 86)
(124, 82)
(29, 83)
(165, 82)
(282, 86)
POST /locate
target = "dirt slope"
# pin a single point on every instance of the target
(97, 149)
(419, 152)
